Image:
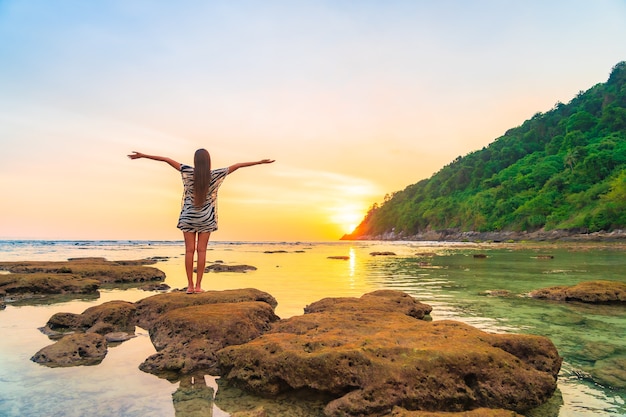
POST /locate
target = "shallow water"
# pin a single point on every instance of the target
(447, 276)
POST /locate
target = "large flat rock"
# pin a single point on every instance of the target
(150, 309)
(75, 276)
(371, 359)
(18, 285)
(187, 339)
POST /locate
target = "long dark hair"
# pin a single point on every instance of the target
(201, 176)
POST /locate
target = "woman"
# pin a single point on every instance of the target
(198, 215)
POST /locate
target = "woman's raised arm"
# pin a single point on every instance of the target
(235, 167)
(170, 161)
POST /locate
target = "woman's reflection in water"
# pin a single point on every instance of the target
(193, 398)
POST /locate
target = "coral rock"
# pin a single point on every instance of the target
(188, 338)
(73, 350)
(596, 292)
(149, 310)
(372, 359)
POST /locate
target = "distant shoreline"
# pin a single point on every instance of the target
(553, 236)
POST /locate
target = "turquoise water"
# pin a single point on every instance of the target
(447, 276)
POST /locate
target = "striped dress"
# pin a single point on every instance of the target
(203, 219)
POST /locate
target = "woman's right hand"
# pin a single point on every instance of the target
(136, 155)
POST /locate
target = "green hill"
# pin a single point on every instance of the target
(560, 170)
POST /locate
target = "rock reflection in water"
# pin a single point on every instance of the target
(242, 404)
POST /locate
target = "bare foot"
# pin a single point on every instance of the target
(198, 290)
(190, 290)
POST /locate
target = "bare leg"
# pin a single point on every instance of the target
(203, 241)
(190, 250)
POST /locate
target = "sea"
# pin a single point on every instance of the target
(488, 291)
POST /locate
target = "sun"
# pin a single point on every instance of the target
(347, 218)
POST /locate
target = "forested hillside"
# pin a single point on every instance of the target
(563, 169)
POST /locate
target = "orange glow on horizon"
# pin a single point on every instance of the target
(347, 217)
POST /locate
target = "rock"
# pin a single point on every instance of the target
(219, 267)
(118, 337)
(120, 314)
(148, 261)
(595, 351)
(75, 276)
(150, 309)
(186, 339)
(87, 260)
(479, 412)
(381, 300)
(480, 256)
(382, 253)
(372, 359)
(187, 330)
(73, 350)
(61, 322)
(80, 336)
(112, 316)
(53, 334)
(18, 285)
(156, 287)
(159, 258)
(340, 257)
(275, 251)
(611, 372)
(596, 292)
(101, 328)
(497, 293)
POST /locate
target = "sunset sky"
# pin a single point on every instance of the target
(354, 100)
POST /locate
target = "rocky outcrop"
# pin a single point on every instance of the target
(375, 355)
(187, 330)
(112, 316)
(21, 285)
(73, 350)
(82, 339)
(105, 272)
(381, 300)
(220, 267)
(150, 310)
(595, 292)
(75, 276)
(187, 339)
(162, 287)
(373, 358)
